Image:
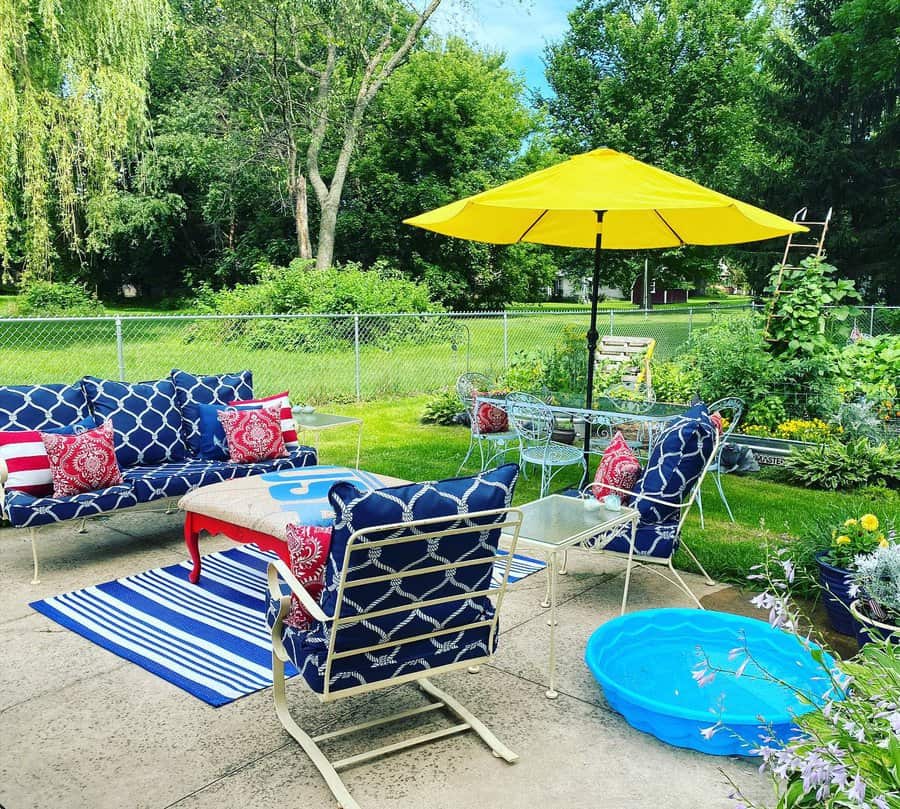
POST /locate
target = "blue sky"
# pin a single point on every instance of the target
(521, 28)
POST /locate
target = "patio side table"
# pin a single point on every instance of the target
(554, 524)
(315, 422)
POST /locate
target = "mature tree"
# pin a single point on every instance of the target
(672, 82)
(72, 109)
(449, 123)
(307, 71)
(834, 89)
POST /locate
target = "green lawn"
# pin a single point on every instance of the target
(396, 443)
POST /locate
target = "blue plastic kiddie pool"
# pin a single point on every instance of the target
(646, 662)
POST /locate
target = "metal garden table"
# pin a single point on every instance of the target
(315, 422)
(556, 523)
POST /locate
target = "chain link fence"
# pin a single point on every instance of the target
(323, 358)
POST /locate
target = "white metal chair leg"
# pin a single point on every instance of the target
(468, 453)
(82, 528)
(323, 765)
(683, 585)
(564, 568)
(700, 508)
(34, 555)
(696, 561)
(718, 480)
(458, 709)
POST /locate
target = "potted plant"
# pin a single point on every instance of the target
(876, 585)
(855, 537)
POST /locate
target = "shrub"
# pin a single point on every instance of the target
(730, 358)
(300, 289)
(767, 413)
(836, 465)
(526, 374)
(58, 299)
(442, 408)
(674, 382)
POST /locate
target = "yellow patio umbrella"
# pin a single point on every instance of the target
(606, 200)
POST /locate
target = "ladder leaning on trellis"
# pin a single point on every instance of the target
(793, 252)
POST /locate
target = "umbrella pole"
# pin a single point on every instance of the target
(592, 336)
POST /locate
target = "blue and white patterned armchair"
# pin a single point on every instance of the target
(663, 496)
(407, 595)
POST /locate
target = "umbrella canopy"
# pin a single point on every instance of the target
(644, 207)
(606, 200)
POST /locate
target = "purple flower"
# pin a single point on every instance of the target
(858, 791)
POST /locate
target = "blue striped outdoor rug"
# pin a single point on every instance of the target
(210, 639)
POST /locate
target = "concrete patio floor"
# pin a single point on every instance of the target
(81, 727)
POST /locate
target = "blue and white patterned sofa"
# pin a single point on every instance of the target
(153, 441)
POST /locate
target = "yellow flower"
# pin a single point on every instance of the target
(848, 523)
(843, 539)
(882, 543)
(869, 522)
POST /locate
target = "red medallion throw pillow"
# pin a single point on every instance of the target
(491, 419)
(716, 419)
(618, 467)
(253, 435)
(84, 462)
(283, 402)
(308, 546)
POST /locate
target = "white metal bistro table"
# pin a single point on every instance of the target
(315, 422)
(556, 523)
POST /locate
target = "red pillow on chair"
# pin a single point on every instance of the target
(491, 419)
(83, 462)
(308, 546)
(618, 467)
(253, 435)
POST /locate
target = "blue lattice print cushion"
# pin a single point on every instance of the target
(41, 407)
(355, 510)
(675, 463)
(215, 389)
(145, 420)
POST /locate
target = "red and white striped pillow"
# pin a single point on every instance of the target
(283, 403)
(26, 460)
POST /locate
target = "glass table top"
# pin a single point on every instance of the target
(321, 421)
(558, 520)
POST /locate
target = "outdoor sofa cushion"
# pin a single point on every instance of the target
(40, 407)
(305, 649)
(220, 389)
(176, 479)
(144, 416)
(141, 484)
(25, 511)
(355, 510)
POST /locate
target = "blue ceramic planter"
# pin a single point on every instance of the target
(836, 596)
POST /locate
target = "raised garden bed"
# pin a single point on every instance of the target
(768, 451)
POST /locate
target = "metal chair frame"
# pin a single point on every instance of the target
(653, 563)
(468, 386)
(534, 422)
(508, 521)
(736, 407)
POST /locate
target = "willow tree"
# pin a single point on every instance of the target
(72, 111)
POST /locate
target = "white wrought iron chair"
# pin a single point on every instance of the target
(491, 446)
(436, 611)
(533, 422)
(658, 534)
(732, 408)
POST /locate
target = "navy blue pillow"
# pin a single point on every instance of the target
(88, 423)
(213, 443)
(144, 416)
(675, 463)
(355, 510)
(219, 389)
